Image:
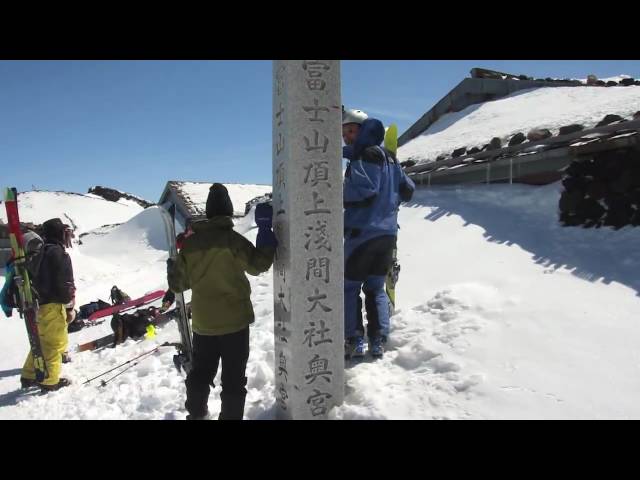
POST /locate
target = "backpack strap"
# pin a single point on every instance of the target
(388, 155)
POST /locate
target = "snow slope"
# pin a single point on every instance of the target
(521, 111)
(501, 313)
(85, 212)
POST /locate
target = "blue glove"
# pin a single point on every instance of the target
(266, 238)
(264, 216)
(348, 152)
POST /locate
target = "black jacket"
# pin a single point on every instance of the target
(55, 283)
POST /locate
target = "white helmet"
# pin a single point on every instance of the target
(353, 116)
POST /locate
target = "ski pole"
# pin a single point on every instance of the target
(123, 364)
(104, 382)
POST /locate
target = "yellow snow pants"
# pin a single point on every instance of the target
(54, 338)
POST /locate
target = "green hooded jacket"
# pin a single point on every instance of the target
(212, 263)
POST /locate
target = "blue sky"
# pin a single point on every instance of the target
(133, 125)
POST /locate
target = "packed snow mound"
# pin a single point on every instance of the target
(521, 111)
(82, 212)
(196, 194)
(143, 232)
(131, 255)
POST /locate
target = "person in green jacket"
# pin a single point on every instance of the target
(212, 263)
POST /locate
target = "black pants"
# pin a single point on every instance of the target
(233, 349)
(373, 258)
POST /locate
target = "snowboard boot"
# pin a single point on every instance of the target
(26, 383)
(63, 382)
(376, 346)
(354, 348)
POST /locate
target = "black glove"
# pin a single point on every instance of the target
(264, 216)
(171, 265)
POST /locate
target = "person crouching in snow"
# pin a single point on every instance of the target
(212, 263)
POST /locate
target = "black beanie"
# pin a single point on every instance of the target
(218, 201)
(53, 230)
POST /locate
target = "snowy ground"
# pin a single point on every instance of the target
(521, 111)
(505, 314)
(501, 313)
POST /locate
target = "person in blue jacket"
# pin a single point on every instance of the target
(374, 186)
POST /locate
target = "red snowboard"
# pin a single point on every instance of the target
(148, 298)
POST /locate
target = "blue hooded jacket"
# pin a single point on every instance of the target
(374, 185)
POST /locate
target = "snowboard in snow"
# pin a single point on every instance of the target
(158, 321)
(123, 307)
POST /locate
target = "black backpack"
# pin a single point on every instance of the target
(88, 308)
(134, 325)
(34, 250)
(406, 193)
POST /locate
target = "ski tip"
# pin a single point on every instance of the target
(9, 194)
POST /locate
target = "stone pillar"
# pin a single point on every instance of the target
(308, 222)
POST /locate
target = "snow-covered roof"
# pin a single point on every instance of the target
(521, 111)
(617, 78)
(194, 195)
